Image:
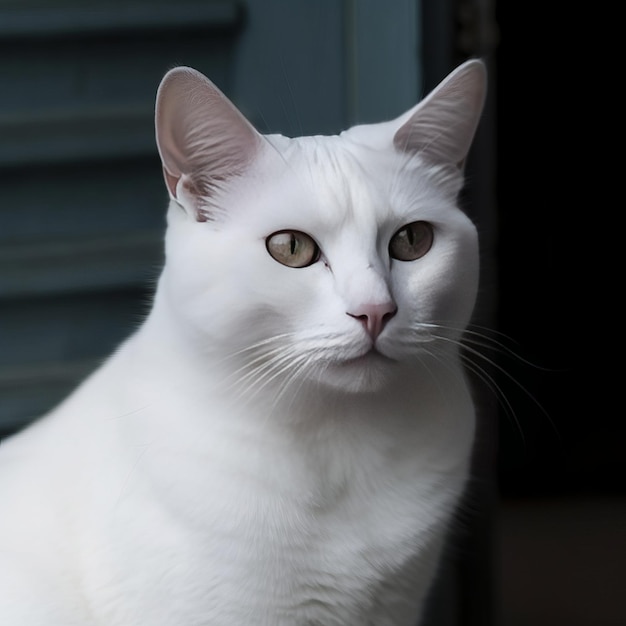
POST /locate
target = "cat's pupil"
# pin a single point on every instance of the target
(292, 248)
(410, 236)
(411, 242)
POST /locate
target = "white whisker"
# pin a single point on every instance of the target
(472, 357)
(497, 390)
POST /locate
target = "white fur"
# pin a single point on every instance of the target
(242, 459)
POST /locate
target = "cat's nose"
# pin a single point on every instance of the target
(374, 317)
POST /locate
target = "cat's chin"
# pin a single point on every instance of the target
(369, 372)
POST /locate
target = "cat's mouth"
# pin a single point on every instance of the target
(371, 356)
(366, 372)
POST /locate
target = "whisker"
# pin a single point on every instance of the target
(481, 336)
(263, 359)
(298, 367)
(486, 378)
(485, 341)
(283, 361)
(259, 344)
(471, 351)
(441, 359)
(262, 375)
(497, 390)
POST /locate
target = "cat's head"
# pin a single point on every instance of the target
(336, 259)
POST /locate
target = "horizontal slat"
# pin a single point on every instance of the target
(87, 18)
(29, 391)
(60, 266)
(76, 134)
(33, 376)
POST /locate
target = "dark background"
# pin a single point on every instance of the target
(561, 459)
(541, 288)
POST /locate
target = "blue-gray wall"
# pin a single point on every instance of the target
(82, 200)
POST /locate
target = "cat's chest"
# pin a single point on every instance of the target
(294, 567)
(259, 541)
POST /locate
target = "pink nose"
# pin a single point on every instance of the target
(374, 317)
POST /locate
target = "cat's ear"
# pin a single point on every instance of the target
(203, 139)
(442, 126)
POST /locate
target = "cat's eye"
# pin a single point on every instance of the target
(411, 242)
(292, 248)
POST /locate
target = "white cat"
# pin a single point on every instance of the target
(284, 440)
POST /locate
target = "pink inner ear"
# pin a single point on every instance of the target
(442, 126)
(200, 134)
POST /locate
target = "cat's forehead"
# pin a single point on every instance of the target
(354, 148)
(354, 176)
(321, 179)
